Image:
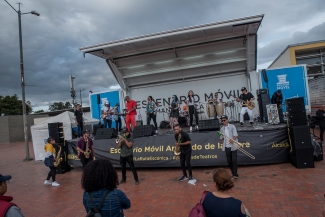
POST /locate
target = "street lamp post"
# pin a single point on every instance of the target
(28, 158)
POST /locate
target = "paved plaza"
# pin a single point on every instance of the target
(268, 190)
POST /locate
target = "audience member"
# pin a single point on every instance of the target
(98, 179)
(49, 160)
(219, 203)
(7, 208)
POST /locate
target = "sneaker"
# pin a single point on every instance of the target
(252, 123)
(156, 131)
(136, 182)
(47, 182)
(122, 181)
(183, 178)
(190, 178)
(55, 184)
(190, 129)
(241, 124)
(235, 177)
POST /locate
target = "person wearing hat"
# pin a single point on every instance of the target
(247, 97)
(7, 208)
(228, 145)
(117, 117)
(107, 113)
(277, 98)
(85, 149)
(79, 119)
(126, 146)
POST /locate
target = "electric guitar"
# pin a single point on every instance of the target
(104, 114)
(250, 105)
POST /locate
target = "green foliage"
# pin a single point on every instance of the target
(60, 106)
(11, 105)
(39, 111)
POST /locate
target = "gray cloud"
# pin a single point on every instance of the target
(51, 41)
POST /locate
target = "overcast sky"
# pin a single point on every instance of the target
(51, 42)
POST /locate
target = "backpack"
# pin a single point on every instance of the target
(95, 211)
(198, 209)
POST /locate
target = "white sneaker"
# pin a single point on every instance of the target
(156, 131)
(55, 184)
(191, 129)
(47, 182)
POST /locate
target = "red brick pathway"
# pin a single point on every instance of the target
(270, 190)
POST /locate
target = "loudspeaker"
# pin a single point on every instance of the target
(95, 128)
(163, 124)
(106, 133)
(56, 131)
(211, 124)
(98, 99)
(300, 137)
(296, 108)
(295, 101)
(263, 100)
(182, 121)
(265, 76)
(260, 91)
(296, 118)
(63, 167)
(302, 158)
(142, 131)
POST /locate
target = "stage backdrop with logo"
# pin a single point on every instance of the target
(267, 146)
(112, 97)
(292, 81)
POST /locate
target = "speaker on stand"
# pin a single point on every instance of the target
(301, 154)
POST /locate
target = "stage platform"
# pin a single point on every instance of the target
(257, 126)
(268, 144)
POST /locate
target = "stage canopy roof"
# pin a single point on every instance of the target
(199, 52)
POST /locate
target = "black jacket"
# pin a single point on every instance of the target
(276, 99)
(320, 116)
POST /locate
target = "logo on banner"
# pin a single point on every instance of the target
(283, 83)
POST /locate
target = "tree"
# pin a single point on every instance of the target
(39, 111)
(60, 106)
(11, 105)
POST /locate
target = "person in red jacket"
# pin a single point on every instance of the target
(131, 112)
(7, 208)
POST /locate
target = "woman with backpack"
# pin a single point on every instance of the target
(101, 196)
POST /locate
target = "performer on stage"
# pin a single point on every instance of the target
(85, 149)
(174, 111)
(151, 111)
(231, 150)
(107, 113)
(79, 119)
(126, 146)
(245, 96)
(277, 98)
(320, 115)
(50, 155)
(117, 117)
(131, 112)
(192, 110)
(216, 100)
(184, 141)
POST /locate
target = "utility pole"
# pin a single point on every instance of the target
(22, 76)
(73, 92)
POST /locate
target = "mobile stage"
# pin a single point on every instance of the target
(268, 143)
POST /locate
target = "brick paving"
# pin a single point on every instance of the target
(268, 190)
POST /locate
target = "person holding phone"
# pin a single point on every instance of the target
(126, 146)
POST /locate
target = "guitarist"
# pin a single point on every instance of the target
(246, 97)
(107, 115)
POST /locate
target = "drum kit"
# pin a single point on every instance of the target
(218, 108)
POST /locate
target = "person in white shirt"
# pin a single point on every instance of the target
(228, 145)
(107, 115)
